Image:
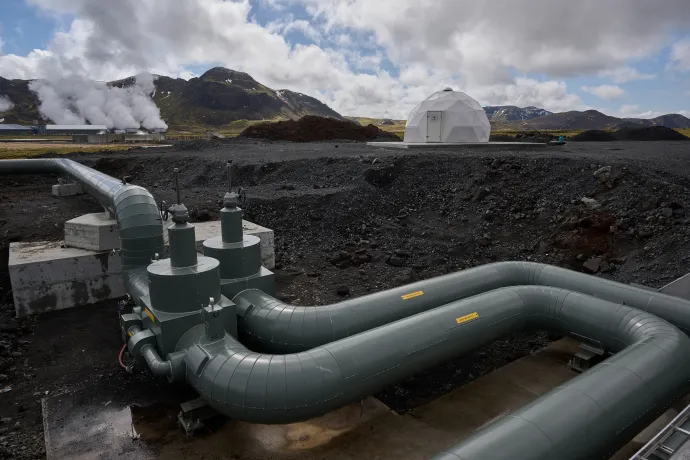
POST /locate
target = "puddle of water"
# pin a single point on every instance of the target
(87, 432)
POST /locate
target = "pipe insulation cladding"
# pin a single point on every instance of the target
(589, 417)
(269, 325)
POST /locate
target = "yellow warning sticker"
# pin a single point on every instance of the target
(149, 314)
(466, 318)
(412, 295)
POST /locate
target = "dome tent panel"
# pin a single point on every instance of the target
(462, 119)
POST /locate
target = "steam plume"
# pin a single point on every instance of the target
(76, 100)
(5, 104)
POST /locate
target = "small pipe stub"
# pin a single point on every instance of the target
(231, 199)
(179, 212)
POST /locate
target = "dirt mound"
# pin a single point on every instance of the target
(311, 129)
(594, 135)
(652, 133)
(534, 136)
(198, 145)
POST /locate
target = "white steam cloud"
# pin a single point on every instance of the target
(5, 104)
(76, 100)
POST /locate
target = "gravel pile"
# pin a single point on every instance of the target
(312, 128)
(652, 133)
(594, 135)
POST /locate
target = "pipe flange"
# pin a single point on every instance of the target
(179, 213)
(126, 322)
(138, 340)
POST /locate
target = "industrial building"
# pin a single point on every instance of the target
(15, 130)
(121, 138)
(69, 130)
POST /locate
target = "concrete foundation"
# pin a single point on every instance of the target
(67, 190)
(464, 145)
(46, 276)
(366, 431)
(50, 276)
(95, 232)
(206, 230)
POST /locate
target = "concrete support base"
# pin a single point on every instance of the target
(46, 276)
(95, 232)
(206, 230)
(458, 146)
(49, 276)
(67, 189)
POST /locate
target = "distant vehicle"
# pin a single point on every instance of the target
(560, 141)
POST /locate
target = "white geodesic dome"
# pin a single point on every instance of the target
(462, 119)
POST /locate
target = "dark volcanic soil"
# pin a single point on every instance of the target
(312, 128)
(412, 216)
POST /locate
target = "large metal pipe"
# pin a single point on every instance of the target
(136, 212)
(270, 325)
(588, 417)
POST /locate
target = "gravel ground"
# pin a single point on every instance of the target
(350, 220)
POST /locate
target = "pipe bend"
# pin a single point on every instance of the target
(158, 366)
(607, 399)
(136, 211)
(270, 325)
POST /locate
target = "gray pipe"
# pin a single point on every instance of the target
(588, 417)
(158, 366)
(138, 218)
(269, 325)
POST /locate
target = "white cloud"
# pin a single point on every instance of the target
(625, 74)
(634, 111)
(680, 55)
(477, 47)
(5, 104)
(606, 92)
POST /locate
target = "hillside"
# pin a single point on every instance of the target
(592, 119)
(510, 113)
(25, 110)
(215, 99)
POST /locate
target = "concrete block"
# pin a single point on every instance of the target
(95, 232)
(67, 190)
(206, 230)
(46, 276)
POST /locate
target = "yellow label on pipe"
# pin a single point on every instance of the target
(412, 295)
(149, 314)
(466, 318)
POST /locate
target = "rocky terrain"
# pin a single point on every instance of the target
(349, 221)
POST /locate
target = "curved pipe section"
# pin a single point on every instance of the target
(269, 325)
(138, 217)
(604, 406)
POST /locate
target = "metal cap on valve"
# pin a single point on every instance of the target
(178, 211)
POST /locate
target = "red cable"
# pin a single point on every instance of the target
(119, 357)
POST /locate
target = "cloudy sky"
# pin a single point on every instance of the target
(375, 57)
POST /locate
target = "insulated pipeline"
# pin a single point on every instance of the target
(269, 325)
(138, 217)
(588, 417)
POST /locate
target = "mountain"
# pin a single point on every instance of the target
(25, 109)
(215, 99)
(593, 119)
(221, 96)
(510, 113)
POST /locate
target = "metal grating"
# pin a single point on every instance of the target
(671, 438)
